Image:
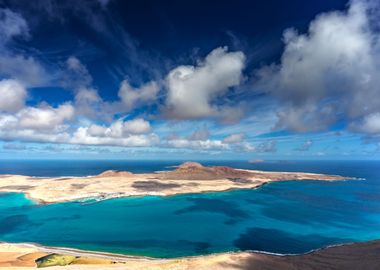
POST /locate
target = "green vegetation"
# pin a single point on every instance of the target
(55, 260)
(62, 260)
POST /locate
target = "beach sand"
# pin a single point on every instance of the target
(187, 178)
(363, 256)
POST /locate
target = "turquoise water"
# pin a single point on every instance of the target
(286, 217)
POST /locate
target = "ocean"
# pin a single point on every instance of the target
(289, 217)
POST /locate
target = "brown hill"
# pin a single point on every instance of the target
(196, 171)
(114, 173)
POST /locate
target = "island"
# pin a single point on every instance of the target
(190, 177)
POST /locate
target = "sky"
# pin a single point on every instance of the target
(243, 80)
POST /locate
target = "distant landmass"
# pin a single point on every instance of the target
(190, 177)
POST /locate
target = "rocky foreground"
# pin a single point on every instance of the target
(189, 177)
(363, 256)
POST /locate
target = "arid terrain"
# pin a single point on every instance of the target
(188, 178)
(363, 256)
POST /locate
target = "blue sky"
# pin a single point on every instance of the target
(248, 80)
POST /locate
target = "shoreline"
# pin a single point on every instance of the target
(109, 196)
(120, 256)
(184, 180)
(189, 178)
(84, 199)
(354, 252)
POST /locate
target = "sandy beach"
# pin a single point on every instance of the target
(187, 178)
(364, 256)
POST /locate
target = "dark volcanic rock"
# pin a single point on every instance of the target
(359, 256)
(153, 185)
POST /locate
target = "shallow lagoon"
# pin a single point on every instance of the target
(287, 217)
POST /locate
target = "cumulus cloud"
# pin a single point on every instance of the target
(200, 140)
(132, 133)
(40, 124)
(12, 96)
(47, 124)
(132, 97)
(197, 144)
(370, 124)
(90, 105)
(120, 128)
(192, 90)
(87, 101)
(44, 117)
(10, 130)
(234, 138)
(76, 75)
(329, 73)
(23, 68)
(81, 136)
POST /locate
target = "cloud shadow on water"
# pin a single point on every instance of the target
(276, 241)
(216, 206)
(13, 223)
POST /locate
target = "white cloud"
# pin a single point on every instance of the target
(137, 126)
(330, 73)
(192, 89)
(15, 65)
(234, 138)
(23, 68)
(132, 97)
(197, 144)
(12, 96)
(11, 130)
(87, 95)
(47, 124)
(119, 128)
(200, 140)
(12, 24)
(76, 75)
(37, 124)
(98, 131)
(44, 117)
(131, 133)
(90, 105)
(369, 125)
(81, 136)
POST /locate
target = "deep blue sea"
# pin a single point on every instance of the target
(284, 217)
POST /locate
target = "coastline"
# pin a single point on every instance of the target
(353, 252)
(186, 179)
(189, 179)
